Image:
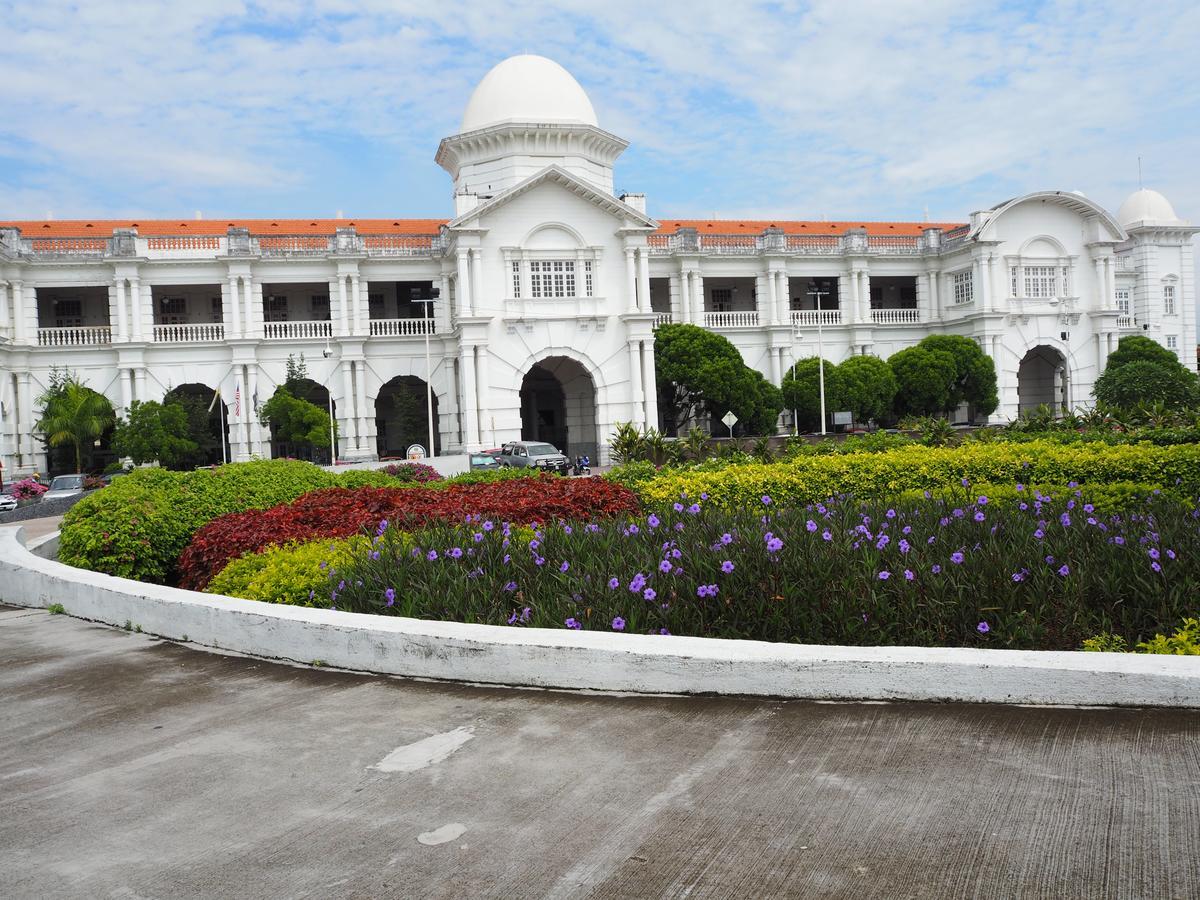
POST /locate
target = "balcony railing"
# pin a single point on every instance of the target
(797, 244)
(1126, 322)
(279, 331)
(401, 327)
(813, 317)
(819, 244)
(895, 316)
(740, 319)
(400, 244)
(294, 244)
(82, 336)
(65, 246)
(662, 318)
(189, 333)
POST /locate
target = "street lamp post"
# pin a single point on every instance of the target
(818, 294)
(333, 448)
(434, 293)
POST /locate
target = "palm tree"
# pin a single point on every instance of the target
(74, 414)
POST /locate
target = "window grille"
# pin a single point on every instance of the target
(722, 299)
(1169, 299)
(552, 278)
(276, 308)
(587, 278)
(319, 307)
(1040, 281)
(516, 279)
(1123, 301)
(964, 286)
(1172, 342)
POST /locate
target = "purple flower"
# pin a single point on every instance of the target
(507, 559)
(665, 566)
(638, 582)
(1153, 553)
(652, 520)
(488, 526)
(937, 570)
(904, 545)
(567, 529)
(513, 618)
(1170, 554)
(694, 508)
(774, 544)
(891, 514)
(766, 500)
(663, 631)
(374, 554)
(966, 483)
(573, 623)
(826, 535)
(563, 568)
(811, 525)
(477, 536)
(510, 586)
(982, 501)
(885, 575)
(727, 538)
(534, 544)
(1064, 570)
(539, 560)
(956, 558)
(455, 552)
(678, 507)
(649, 594)
(614, 583)
(1156, 567)
(525, 614)
(983, 628)
(618, 624)
(1119, 541)
(1018, 576)
(727, 566)
(633, 529)
(390, 596)
(1039, 534)
(979, 516)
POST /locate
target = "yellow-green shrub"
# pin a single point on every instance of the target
(808, 479)
(1106, 498)
(1184, 642)
(291, 574)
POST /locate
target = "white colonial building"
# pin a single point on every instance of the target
(550, 290)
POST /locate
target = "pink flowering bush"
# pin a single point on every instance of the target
(27, 489)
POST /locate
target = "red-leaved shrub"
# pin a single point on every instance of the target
(339, 512)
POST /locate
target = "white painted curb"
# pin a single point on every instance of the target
(595, 660)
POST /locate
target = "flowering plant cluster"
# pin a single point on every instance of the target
(1040, 572)
(413, 472)
(27, 489)
(340, 512)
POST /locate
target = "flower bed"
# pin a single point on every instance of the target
(807, 479)
(337, 512)
(1029, 572)
(27, 489)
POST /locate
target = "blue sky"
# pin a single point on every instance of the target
(877, 110)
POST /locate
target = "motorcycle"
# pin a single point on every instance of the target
(583, 466)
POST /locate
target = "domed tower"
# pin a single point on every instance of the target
(1158, 268)
(527, 113)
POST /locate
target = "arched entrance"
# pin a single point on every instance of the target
(1043, 380)
(402, 417)
(558, 406)
(205, 422)
(290, 436)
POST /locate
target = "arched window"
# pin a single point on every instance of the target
(1042, 270)
(552, 262)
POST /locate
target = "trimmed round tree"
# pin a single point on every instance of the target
(802, 391)
(867, 387)
(975, 372)
(1144, 381)
(697, 369)
(1136, 347)
(924, 380)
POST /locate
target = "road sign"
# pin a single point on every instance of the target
(843, 418)
(416, 451)
(730, 420)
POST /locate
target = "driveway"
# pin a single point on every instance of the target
(131, 767)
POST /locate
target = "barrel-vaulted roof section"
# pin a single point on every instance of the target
(787, 226)
(1075, 202)
(72, 228)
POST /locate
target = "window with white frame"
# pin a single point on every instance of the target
(217, 308)
(587, 278)
(722, 299)
(68, 313)
(552, 278)
(1123, 306)
(516, 278)
(1172, 342)
(172, 311)
(964, 286)
(276, 309)
(1041, 281)
(318, 307)
(1168, 299)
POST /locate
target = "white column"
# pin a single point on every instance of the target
(25, 418)
(772, 299)
(686, 291)
(139, 377)
(136, 306)
(235, 324)
(1101, 353)
(247, 283)
(631, 280)
(462, 285)
(864, 295)
(18, 312)
(783, 293)
(349, 430)
(675, 306)
(441, 309)
(773, 365)
(356, 302)
(4, 307)
(476, 281)
(256, 430)
(935, 294)
(997, 349)
(526, 288)
(126, 391)
(854, 286)
(1110, 283)
(470, 404)
(487, 434)
(122, 326)
(643, 258)
(649, 385)
(636, 387)
(697, 297)
(364, 421)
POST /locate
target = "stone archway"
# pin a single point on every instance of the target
(318, 395)
(401, 417)
(1043, 379)
(208, 417)
(558, 406)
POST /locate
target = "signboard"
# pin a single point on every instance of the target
(730, 420)
(843, 418)
(415, 451)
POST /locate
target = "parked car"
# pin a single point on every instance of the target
(534, 455)
(64, 486)
(7, 502)
(484, 461)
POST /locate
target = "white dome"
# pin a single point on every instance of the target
(1146, 205)
(528, 88)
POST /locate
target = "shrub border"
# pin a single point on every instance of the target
(546, 658)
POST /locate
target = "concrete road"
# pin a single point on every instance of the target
(131, 767)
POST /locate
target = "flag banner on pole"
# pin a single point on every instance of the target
(237, 399)
(216, 397)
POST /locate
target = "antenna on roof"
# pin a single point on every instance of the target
(1139, 173)
(926, 219)
(199, 215)
(339, 214)
(49, 216)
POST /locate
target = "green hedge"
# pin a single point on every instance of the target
(296, 574)
(808, 479)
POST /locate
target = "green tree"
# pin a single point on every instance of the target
(1143, 381)
(296, 421)
(975, 373)
(697, 370)
(155, 432)
(203, 429)
(802, 391)
(867, 387)
(1135, 347)
(73, 415)
(758, 411)
(924, 380)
